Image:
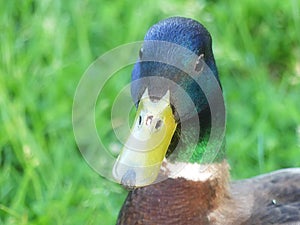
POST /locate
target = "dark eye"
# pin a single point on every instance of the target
(158, 124)
(141, 53)
(140, 120)
(199, 64)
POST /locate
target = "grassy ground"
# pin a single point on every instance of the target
(46, 46)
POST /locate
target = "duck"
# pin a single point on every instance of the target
(173, 162)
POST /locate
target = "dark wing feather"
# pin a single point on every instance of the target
(276, 197)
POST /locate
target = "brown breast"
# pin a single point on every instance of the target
(170, 202)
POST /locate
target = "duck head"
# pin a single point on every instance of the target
(172, 82)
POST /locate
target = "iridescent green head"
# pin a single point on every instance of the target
(176, 89)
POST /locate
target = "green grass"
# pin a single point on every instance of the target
(46, 46)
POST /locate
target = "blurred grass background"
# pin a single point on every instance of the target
(45, 48)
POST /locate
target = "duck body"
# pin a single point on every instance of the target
(189, 189)
(175, 201)
(165, 207)
(272, 198)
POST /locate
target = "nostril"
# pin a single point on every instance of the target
(158, 124)
(149, 120)
(129, 179)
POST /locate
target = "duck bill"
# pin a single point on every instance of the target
(140, 160)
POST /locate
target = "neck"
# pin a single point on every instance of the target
(197, 172)
(181, 148)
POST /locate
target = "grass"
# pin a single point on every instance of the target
(47, 45)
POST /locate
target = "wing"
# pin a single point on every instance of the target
(276, 197)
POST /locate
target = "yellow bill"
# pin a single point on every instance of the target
(140, 160)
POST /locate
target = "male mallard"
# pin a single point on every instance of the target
(172, 181)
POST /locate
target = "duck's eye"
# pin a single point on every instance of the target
(158, 124)
(199, 65)
(141, 53)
